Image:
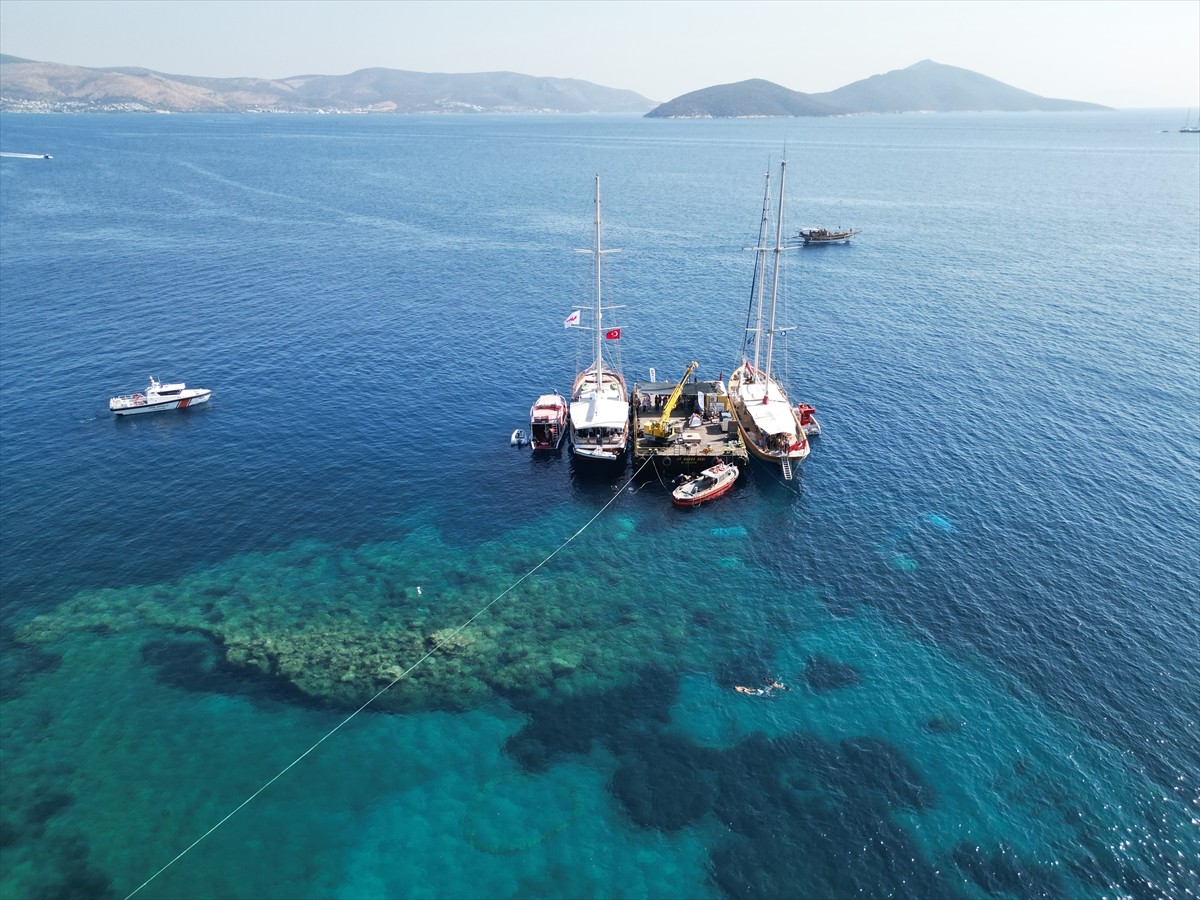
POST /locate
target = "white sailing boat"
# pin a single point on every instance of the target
(766, 419)
(599, 398)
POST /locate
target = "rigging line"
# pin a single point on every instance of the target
(654, 468)
(393, 682)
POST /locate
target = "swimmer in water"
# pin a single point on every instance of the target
(773, 684)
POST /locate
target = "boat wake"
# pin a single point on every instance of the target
(27, 155)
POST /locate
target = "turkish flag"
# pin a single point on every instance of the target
(613, 334)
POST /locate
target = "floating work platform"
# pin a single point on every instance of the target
(699, 429)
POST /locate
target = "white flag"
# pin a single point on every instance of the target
(572, 319)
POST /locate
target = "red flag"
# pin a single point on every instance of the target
(613, 334)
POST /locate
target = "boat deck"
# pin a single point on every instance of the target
(687, 447)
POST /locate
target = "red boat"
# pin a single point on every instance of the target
(708, 485)
(808, 420)
(548, 422)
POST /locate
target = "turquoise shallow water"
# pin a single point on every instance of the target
(980, 590)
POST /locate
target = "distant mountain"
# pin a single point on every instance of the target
(755, 97)
(926, 86)
(51, 87)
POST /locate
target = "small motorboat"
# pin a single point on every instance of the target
(158, 397)
(519, 438)
(708, 485)
(808, 420)
(811, 236)
(548, 422)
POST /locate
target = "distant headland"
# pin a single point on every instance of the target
(28, 86)
(31, 86)
(926, 86)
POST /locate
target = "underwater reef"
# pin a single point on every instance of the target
(335, 625)
(824, 674)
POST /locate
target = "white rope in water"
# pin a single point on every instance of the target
(390, 684)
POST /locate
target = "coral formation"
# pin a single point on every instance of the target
(338, 625)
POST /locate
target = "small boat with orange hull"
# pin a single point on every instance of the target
(708, 485)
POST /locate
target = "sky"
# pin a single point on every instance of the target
(1123, 53)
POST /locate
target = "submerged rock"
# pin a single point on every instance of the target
(944, 723)
(336, 626)
(941, 523)
(825, 675)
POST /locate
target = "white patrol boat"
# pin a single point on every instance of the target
(159, 396)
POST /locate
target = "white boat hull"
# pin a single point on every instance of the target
(602, 454)
(144, 406)
(599, 416)
(813, 237)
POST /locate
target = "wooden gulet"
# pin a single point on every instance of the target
(766, 420)
(599, 425)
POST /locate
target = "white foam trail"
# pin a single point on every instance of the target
(25, 155)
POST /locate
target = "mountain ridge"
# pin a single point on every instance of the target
(32, 86)
(926, 86)
(27, 85)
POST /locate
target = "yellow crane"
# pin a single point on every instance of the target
(658, 429)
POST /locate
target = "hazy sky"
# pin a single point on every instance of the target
(1122, 53)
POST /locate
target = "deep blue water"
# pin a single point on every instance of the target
(983, 587)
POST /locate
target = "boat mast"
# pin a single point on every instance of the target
(596, 253)
(760, 270)
(775, 268)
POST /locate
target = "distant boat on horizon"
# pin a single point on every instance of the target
(816, 236)
(1188, 127)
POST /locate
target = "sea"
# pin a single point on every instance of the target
(330, 635)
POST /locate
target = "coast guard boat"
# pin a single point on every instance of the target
(159, 396)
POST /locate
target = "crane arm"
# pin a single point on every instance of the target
(659, 428)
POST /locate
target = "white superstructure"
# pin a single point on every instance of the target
(159, 396)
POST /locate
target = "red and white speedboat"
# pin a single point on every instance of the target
(708, 485)
(548, 422)
(157, 397)
(807, 416)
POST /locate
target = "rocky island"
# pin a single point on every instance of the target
(926, 86)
